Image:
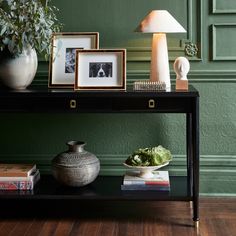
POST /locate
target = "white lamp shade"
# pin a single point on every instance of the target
(160, 21)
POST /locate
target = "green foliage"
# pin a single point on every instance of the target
(149, 157)
(25, 23)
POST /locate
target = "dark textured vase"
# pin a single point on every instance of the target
(75, 167)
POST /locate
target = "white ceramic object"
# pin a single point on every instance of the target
(146, 171)
(18, 73)
(160, 22)
(160, 61)
(181, 67)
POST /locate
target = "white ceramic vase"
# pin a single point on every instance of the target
(18, 73)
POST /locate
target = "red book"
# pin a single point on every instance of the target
(19, 183)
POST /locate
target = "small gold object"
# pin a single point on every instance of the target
(151, 103)
(191, 204)
(72, 104)
(196, 224)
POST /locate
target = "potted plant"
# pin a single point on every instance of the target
(26, 27)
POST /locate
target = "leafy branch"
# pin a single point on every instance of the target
(27, 23)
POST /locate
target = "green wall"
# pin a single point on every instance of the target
(211, 26)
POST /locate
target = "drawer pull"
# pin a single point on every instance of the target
(72, 104)
(151, 103)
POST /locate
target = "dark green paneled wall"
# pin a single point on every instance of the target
(39, 137)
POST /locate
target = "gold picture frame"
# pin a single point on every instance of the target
(102, 69)
(62, 59)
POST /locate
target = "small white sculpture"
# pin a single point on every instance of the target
(181, 67)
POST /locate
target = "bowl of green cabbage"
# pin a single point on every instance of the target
(146, 160)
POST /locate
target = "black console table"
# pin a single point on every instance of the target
(108, 187)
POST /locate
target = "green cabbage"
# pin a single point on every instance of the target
(154, 156)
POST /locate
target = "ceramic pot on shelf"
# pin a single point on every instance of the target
(75, 167)
(18, 72)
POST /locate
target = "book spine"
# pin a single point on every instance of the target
(145, 187)
(16, 185)
(17, 178)
(9, 171)
(20, 185)
(140, 182)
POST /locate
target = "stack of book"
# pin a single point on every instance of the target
(159, 182)
(18, 176)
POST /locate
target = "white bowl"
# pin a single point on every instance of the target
(146, 171)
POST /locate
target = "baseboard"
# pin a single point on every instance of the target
(217, 172)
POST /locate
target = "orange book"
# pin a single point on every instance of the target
(16, 170)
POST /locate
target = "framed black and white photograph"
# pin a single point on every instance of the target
(63, 58)
(100, 69)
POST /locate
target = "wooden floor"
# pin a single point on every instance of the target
(218, 218)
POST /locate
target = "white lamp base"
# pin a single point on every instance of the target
(160, 62)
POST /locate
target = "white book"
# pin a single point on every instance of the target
(159, 178)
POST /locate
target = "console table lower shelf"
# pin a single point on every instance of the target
(103, 188)
(49, 196)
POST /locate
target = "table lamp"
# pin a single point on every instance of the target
(160, 22)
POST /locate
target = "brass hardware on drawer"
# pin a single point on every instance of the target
(151, 103)
(73, 104)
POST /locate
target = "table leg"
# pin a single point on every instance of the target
(195, 147)
(189, 151)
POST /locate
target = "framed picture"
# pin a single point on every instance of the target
(100, 69)
(62, 61)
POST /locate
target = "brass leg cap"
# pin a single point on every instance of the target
(196, 224)
(191, 204)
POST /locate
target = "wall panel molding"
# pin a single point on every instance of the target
(215, 28)
(194, 76)
(226, 9)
